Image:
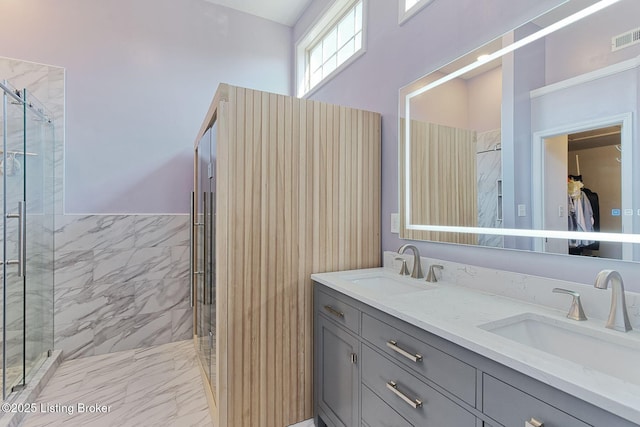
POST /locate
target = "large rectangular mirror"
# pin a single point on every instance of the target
(528, 141)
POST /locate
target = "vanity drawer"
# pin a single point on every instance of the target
(338, 311)
(376, 413)
(391, 382)
(512, 407)
(448, 372)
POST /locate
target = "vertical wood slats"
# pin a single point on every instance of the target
(298, 187)
(443, 181)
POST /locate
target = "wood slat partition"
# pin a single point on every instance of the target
(443, 181)
(298, 192)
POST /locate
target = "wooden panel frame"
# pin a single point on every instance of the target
(298, 192)
(443, 162)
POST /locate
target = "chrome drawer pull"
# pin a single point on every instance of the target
(334, 311)
(414, 403)
(533, 423)
(393, 345)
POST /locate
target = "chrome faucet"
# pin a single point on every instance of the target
(576, 312)
(416, 273)
(404, 271)
(431, 276)
(618, 317)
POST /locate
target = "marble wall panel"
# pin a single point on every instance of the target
(489, 170)
(122, 282)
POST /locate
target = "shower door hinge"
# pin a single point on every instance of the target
(17, 387)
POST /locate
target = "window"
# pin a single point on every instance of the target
(331, 44)
(408, 4)
(408, 8)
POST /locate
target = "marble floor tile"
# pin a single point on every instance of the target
(306, 423)
(156, 386)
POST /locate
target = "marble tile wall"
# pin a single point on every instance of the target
(122, 282)
(489, 169)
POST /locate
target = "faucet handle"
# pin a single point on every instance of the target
(404, 270)
(575, 311)
(431, 277)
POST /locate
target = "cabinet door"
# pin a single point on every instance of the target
(337, 374)
(376, 412)
(513, 407)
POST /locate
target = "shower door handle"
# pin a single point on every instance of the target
(205, 252)
(22, 233)
(191, 248)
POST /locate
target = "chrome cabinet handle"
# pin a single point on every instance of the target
(414, 403)
(393, 345)
(533, 423)
(22, 233)
(334, 311)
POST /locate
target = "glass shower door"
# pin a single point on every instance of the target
(39, 197)
(211, 263)
(204, 266)
(202, 257)
(27, 190)
(13, 188)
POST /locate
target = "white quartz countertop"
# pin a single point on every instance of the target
(455, 313)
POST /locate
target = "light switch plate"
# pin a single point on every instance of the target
(395, 223)
(522, 210)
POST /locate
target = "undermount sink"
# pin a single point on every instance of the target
(383, 283)
(607, 353)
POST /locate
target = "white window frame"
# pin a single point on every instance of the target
(328, 19)
(404, 14)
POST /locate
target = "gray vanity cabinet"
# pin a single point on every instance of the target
(357, 383)
(375, 370)
(337, 376)
(408, 395)
(513, 407)
(377, 413)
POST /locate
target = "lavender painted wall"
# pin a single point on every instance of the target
(140, 77)
(397, 55)
(485, 98)
(586, 46)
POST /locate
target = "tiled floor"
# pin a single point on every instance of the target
(157, 386)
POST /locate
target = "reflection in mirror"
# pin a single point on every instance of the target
(489, 143)
(455, 153)
(594, 190)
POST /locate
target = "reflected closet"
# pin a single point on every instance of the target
(284, 187)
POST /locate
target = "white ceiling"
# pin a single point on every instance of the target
(285, 12)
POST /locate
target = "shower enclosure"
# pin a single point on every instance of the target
(26, 170)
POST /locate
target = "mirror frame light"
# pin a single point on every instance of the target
(535, 233)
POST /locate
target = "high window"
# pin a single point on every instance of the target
(332, 44)
(408, 8)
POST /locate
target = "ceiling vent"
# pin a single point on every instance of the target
(626, 39)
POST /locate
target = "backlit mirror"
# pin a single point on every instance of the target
(528, 141)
